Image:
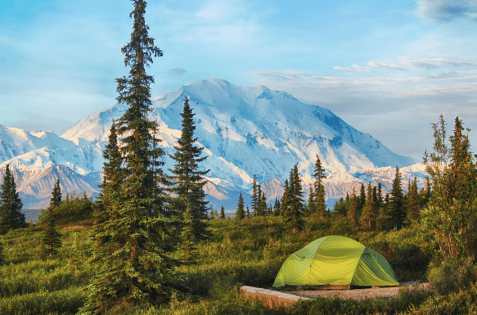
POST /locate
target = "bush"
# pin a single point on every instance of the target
(71, 209)
(452, 276)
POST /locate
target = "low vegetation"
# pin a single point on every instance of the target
(246, 252)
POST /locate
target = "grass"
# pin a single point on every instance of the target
(249, 252)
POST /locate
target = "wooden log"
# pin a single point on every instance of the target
(270, 298)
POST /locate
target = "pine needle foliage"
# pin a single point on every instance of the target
(240, 214)
(51, 239)
(10, 205)
(319, 189)
(397, 211)
(452, 212)
(130, 259)
(294, 206)
(187, 179)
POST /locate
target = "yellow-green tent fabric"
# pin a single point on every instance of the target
(335, 260)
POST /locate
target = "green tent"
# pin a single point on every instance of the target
(335, 260)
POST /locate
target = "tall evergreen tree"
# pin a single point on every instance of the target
(276, 207)
(10, 205)
(413, 202)
(51, 237)
(293, 210)
(240, 214)
(353, 207)
(319, 193)
(361, 200)
(222, 213)
(368, 215)
(397, 211)
(188, 181)
(256, 198)
(248, 212)
(452, 212)
(55, 200)
(311, 202)
(133, 266)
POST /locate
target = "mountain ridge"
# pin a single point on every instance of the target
(244, 131)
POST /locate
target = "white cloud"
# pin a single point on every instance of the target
(397, 108)
(355, 68)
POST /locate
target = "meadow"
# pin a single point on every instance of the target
(246, 252)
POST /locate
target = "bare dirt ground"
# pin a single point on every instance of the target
(356, 294)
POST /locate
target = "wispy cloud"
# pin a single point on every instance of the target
(354, 68)
(388, 65)
(176, 72)
(392, 105)
(447, 10)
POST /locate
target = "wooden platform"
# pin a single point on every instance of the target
(270, 298)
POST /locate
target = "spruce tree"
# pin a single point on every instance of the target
(133, 267)
(188, 242)
(353, 207)
(248, 213)
(255, 196)
(51, 239)
(397, 211)
(311, 202)
(276, 207)
(451, 214)
(55, 200)
(10, 205)
(293, 210)
(187, 180)
(240, 214)
(319, 193)
(413, 202)
(222, 213)
(368, 215)
(361, 200)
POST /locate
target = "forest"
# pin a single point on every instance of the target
(150, 244)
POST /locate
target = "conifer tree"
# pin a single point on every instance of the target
(248, 212)
(353, 207)
(263, 204)
(133, 266)
(276, 207)
(293, 209)
(240, 214)
(397, 211)
(368, 216)
(380, 195)
(284, 199)
(10, 205)
(311, 202)
(361, 200)
(222, 212)
(188, 243)
(319, 189)
(51, 237)
(188, 181)
(55, 200)
(255, 196)
(451, 215)
(413, 202)
(340, 207)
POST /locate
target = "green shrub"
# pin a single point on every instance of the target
(452, 275)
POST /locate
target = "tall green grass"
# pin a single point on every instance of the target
(248, 252)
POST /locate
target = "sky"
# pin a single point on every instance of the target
(387, 68)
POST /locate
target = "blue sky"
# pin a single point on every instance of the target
(388, 68)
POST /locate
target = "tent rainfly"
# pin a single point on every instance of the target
(335, 261)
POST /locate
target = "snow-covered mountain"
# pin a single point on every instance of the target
(245, 131)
